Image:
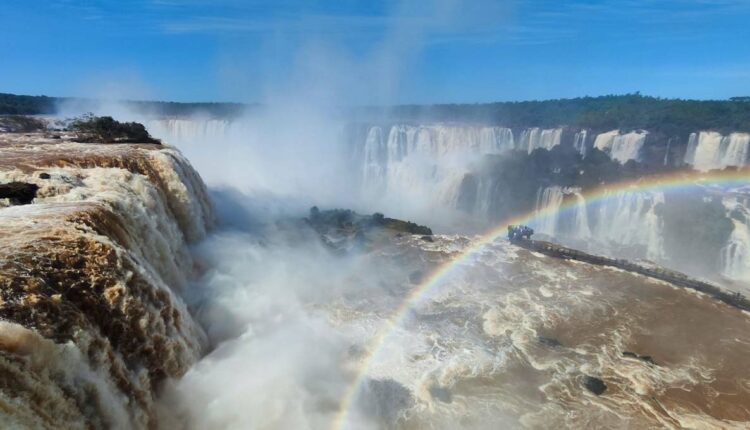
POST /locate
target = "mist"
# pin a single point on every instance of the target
(291, 322)
(294, 145)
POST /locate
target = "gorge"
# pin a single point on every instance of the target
(135, 296)
(401, 164)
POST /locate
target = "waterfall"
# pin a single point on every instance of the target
(709, 150)
(735, 149)
(735, 256)
(552, 221)
(375, 162)
(691, 148)
(631, 218)
(621, 147)
(548, 204)
(96, 265)
(666, 152)
(173, 130)
(580, 217)
(536, 138)
(407, 163)
(620, 219)
(579, 142)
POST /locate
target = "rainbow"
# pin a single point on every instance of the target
(667, 182)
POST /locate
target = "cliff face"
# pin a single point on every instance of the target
(89, 276)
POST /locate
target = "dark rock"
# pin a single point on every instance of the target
(384, 401)
(44, 176)
(646, 358)
(427, 238)
(442, 394)
(549, 341)
(19, 193)
(595, 385)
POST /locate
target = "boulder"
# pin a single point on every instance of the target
(646, 358)
(594, 384)
(549, 341)
(19, 193)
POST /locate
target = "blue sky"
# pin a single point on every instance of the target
(389, 51)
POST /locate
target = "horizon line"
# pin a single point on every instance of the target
(411, 104)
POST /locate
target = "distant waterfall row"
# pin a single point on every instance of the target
(435, 164)
(418, 167)
(176, 130)
(384, 145)
(705, 150)
(710, 150)
(408, 163)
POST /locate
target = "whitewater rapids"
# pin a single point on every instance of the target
(90, 273)
(122, 308)
(506, 340)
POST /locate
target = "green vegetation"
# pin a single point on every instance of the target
(405, 226)
(12, 104)
(349, 220)
(626, 112)
(105, 129)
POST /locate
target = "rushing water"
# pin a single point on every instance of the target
(621, 147)
(91, 273)
(710, 150)
(419, 170)
(284, 332)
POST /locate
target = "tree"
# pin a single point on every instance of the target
(106, 129)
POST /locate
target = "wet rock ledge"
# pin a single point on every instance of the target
(734, 299)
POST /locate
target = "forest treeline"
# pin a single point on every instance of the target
(626, 112)
(12, 104)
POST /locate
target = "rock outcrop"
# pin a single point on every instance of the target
(18, 193)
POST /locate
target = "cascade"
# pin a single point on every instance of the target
(536, 138)
(189, 130)
(579, 142)
(573, 223)
(628, 219)
(410, 162)
(709, 150)
(548, 203)
(735, 256)
(666, 152)
(621, 147)
(631, 218)
(580, 217)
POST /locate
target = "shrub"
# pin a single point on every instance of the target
(106, 129)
